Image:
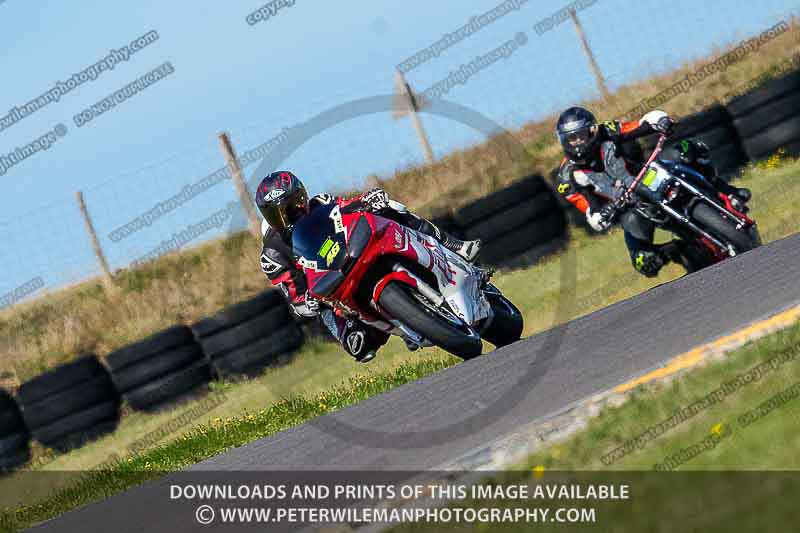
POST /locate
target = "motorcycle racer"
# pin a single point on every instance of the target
(595, 171)
(282, 199)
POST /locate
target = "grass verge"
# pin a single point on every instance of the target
(604, 276)
(708, 450)
(208, 440)
(751, 423)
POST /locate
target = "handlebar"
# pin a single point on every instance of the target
(623, 200)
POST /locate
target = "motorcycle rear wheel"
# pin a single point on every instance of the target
(410, 309)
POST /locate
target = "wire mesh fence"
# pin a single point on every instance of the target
(189, 199)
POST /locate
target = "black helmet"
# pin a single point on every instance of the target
(282, 199)
(578, 133)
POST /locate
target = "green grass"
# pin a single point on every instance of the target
(767, 444)
(207, 440)
(604, 276)
(699, 493)
(317, 368)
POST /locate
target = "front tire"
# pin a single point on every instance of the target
(506, 326)
(711, 219)
(397, 300)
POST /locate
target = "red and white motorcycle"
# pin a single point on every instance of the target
(370, 268)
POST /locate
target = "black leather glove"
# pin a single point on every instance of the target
(600, 221)
(608, 213)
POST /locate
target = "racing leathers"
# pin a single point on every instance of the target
(359, 339)
(593, 184)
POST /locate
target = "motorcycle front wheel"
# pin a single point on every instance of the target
(722, 228)
(437, 325)
(506, 326)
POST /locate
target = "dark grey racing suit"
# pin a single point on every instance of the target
(590, 185)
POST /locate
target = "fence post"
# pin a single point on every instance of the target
(245, 198)
(108, 280)
(407, 103)
(598, 75)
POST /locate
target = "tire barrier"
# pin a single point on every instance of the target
(159, 369)
(74, 403)
(70, 405)
(447, 223)
(768, 118)
(249, 336)
(518, 224)
(15, 440)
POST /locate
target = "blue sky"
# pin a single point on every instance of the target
(255, 80)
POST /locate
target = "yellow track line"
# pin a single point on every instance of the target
(728, 342)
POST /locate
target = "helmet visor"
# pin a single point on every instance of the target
(579, 138)
(281, 215)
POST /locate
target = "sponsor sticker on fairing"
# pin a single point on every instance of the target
(336, 216)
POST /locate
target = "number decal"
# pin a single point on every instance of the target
(329, 250)
(335, 249)
(326, 247)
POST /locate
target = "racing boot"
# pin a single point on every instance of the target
(649, 262)
(361, 341)
(411, 345)
(468, 250)
(739, 197)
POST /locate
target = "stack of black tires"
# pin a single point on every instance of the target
(15, 449)
(249, 336)
(70, 405)
(518, 224)
(768, 118)
(159, 369)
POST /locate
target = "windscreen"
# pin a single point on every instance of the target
(315, 238)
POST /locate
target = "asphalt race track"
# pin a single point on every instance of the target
(427, 424)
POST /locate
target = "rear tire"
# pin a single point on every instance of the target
(398, 302)
(506, 326)
(710, 219)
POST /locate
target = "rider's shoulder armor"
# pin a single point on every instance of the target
(276, 254)
(611, 129)
(566, 183)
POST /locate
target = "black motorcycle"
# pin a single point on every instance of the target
(708, 226)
